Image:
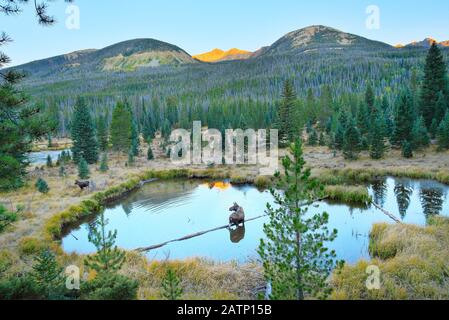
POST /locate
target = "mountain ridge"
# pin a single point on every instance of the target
(131, 55)
(218, 55)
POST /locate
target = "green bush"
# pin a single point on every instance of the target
(108, 286)
(31, 246)
(6, 217)
(42, 186)
(20, 288)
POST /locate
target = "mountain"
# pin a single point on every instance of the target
(218, 55)
(124, 56)
(426, 43)
(315, 38)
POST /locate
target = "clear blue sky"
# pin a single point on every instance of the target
(201, 25)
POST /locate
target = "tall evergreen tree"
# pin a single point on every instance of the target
(420, 136)
(102, 133)
(443, 133)
(20, 123)
(435, 81)
(295, 260)
(85, 144)
(285, 119)
(403, 120)
(121, 128)
(83, 169)
(370, 99)
(351, 141)
(377, 137)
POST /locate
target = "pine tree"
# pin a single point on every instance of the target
(351, 141)
(369, 96)
(108, 259)
(135, 140)
(47, 274)
(42, 186)
(285, 118)
(104, 163)
(322, 140)
(420, 136)
(83, 169)
(435, 81)
(339, 136)
(377, 144)
(443, 133)
(313, 138)
(121, 128)
(102, 133)
(150, 155)
(171, 288)
(407, 151)
(403, 121)
(295, 260)
(131, 159)
(62, 172)
(49, 161)
(85, 143)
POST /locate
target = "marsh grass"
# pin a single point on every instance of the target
(413, 262)
(357, 195)
(367, 175)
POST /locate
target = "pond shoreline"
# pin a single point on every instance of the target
(344, 179)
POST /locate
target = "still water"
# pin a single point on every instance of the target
(167, 210)
(40, 158)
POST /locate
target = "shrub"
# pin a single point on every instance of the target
(20, 288)
(31, 246)
(6, 217)
(6, 261)
(104, 163)
(407, 151)
(262, 182)
(109, 287)
(150, 155)
(42, 186)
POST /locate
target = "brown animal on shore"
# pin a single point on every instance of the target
(238, 215)
(82, 184)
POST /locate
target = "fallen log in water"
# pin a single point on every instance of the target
(194, 235)
(389, 214)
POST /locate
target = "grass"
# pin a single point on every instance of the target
(413, 262)
(367, 175)
(357, 195)
(200, 279)
(31, 246)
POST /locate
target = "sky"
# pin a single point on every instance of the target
(198, 26)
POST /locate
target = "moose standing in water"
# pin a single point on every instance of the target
(238, 215)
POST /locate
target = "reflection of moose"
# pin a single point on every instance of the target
(238, 215)
(237, 234)
(82, 184)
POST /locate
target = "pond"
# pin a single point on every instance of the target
(40, 157)
(166, 210)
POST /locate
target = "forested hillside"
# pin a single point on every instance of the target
(329, 69)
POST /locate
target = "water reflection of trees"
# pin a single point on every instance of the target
(379, 191)
(432, 200)
(403, 193)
